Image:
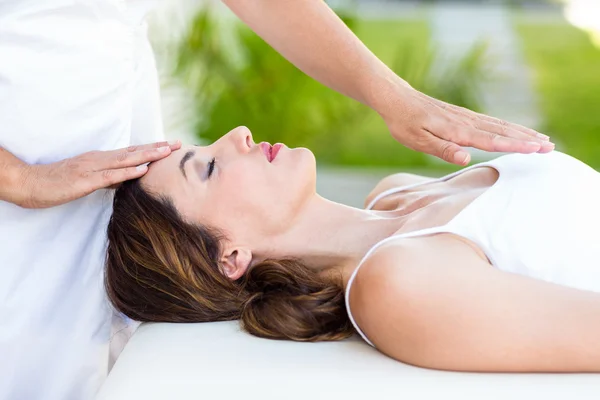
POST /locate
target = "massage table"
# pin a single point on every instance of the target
(219, 361)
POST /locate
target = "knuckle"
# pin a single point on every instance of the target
(493, 140)
(418, 143)
(452, 135)
(107, 176)
(72, 164)
(470, 137)
(122, 156)
(447, 151)
(456, 135)
(493, 136)
(131, 149)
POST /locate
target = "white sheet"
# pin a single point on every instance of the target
(218, 361)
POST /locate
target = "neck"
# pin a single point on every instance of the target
(328, 234)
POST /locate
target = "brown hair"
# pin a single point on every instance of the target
(161, 268)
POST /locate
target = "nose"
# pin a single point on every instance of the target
(242, 138)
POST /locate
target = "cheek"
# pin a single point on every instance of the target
(252, 199)
(240, 199)
(246, 185)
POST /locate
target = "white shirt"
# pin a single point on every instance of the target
(75, 76)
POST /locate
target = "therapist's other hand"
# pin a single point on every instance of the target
(50, 185)
(432, 126)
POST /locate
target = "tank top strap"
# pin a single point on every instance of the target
(422, 232)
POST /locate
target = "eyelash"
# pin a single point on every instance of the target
(211, 166)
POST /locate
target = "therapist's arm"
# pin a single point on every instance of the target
(9, 173)
(311, 36)
(48, 185)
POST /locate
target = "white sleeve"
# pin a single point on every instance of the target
(122, 329)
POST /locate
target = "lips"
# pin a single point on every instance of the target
(275, 149)
(270, 151)
(266, 149)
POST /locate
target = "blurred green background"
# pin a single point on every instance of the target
(534, 62)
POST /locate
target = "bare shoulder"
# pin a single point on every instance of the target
(435, 303)
(393, 181)
(394, 276)
(410, 258)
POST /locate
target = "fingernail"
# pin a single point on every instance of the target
(535, 144)
(173, 142)
(542, 136)
(142, 167)
(461, 157)
(162, 149)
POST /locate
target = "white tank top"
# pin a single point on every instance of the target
(75, 76)
(539, 219)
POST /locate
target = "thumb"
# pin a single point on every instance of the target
(448, 151)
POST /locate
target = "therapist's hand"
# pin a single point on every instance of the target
(432, 126)
(42, 186)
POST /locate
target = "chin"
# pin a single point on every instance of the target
(306, 161)
(308, 166)
(301, 171)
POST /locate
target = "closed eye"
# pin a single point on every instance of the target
(211, 166)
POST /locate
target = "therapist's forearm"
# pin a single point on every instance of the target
(10, 167)
(311, 36)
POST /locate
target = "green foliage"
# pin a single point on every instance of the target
(238, 79)
(567, 75)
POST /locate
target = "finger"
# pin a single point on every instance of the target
(504, 129)
(495, 142)
(511, 126)
(514, 127)
(123, 159)
(446, 150)
(456, 131)
(475, 116)
(547, 147)
(174, 145)
(113, 177)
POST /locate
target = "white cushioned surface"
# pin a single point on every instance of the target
(218, 361)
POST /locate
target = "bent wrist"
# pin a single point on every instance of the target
(388, 94)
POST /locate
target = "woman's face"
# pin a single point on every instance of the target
(234, 185)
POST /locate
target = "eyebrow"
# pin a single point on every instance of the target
(184, 159)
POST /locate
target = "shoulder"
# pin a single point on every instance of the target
(392, 267)
(439, 305)
(394, 181)
(397, 292)
(394, 273)
(388, 288)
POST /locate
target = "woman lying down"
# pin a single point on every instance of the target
(492, 268)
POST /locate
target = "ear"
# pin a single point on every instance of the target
(236, 261)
